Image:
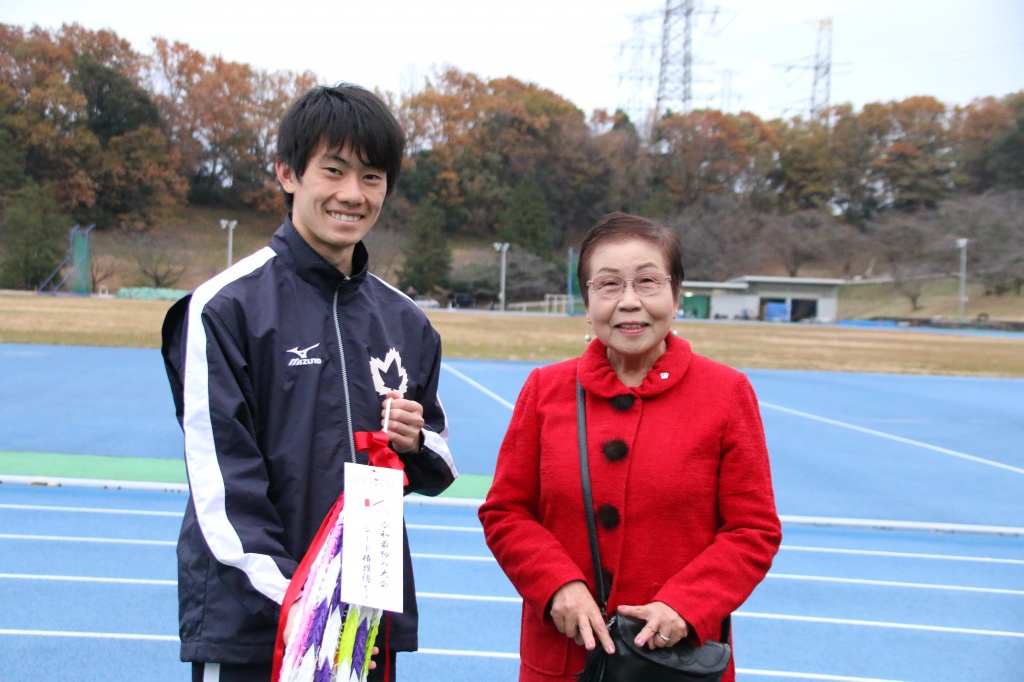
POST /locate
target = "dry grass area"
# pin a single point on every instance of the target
(67, 320)
(74, 320)
(748, 344)
(940, 298)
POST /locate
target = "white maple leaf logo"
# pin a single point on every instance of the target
(381, 367)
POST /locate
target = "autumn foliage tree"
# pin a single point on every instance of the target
(699, 154)
(223, 118)
(85, 127)
(474, 141)
(119, 137)
(803, 179)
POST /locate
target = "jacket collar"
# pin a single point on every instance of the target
(598, 378)
(298, 255)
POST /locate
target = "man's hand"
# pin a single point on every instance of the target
(292, 615)
(405, 423)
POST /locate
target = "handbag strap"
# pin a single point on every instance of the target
(588, 508)
(588, 499)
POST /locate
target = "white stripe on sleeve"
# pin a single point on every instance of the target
(205, 478)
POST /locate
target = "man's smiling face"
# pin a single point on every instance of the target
(335, 202)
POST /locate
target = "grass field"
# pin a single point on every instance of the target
(67, 320)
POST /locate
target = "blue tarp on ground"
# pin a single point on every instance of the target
(151, 293)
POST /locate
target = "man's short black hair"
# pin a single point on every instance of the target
(336, 116)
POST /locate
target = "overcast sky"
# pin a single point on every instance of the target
(756, 55)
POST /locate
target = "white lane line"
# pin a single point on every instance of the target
(172, 583)
(893, 583)
(889, 436)
(480, 387)
(879, 624)
(468, 597)
(454, 529)
(875, 524)
(457, 557)
(811, 676)
(454, 557)
(888, 524)
(462, 652)
(90, 510)
(902, 555)
(112, 484)
(438, 595)
(459, 653)
(86, 579)
(882, 524)
(745, 614)
(776, 616)
(91, 635)
(67, 538)
(742, 671)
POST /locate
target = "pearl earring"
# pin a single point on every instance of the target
(587, 338)
(674, 332)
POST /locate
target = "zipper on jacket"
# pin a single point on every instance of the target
(344, 379)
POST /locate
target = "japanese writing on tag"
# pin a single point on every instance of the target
(371, 550)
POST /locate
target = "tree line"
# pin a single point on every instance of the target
(94, 132)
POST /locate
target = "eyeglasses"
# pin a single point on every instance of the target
(613, 286)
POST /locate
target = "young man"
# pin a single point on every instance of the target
(274, 364)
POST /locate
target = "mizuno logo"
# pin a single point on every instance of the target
(302, 359)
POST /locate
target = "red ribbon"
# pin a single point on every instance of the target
(376, 443)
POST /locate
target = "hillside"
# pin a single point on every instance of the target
(194, 242)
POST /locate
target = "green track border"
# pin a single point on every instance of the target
(159, 470)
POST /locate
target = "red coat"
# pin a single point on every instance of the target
(681, 485)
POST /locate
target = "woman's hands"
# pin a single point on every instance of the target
(664, 626)
(577, 616)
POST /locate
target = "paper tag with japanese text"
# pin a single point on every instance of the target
(371, 550)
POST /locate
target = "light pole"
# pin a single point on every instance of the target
(962, 304)
(503, 248)
(229, 225)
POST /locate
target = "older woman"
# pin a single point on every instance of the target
(681, 482)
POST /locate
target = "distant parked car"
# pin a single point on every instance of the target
(461, 299)
(426, 302)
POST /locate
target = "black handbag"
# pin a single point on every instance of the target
(682, 662)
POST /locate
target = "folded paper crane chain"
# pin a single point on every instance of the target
(331, 641)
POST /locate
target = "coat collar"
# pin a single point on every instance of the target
(598, 378)
(298, 255)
